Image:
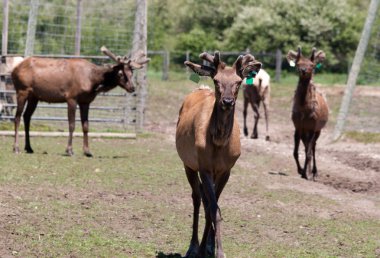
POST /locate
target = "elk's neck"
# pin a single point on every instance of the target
(305, 91)
(221, 124)
(103, 79)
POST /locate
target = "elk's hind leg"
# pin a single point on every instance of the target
(245, 116)
(21, 100)
(266, 113)
(192, 177)
(30, 108)
(71, 108)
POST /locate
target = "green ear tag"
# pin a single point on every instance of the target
(249, 81)
(194, 77)
(318, 66)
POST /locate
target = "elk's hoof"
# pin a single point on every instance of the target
(192, 252)
(267, 138)
(221, 255)
(69, 152)
(245, 131)
(254, 136)
(29, 150)
(16, 150)
(88, 154)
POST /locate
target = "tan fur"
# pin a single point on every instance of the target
(193, 140)
(208, 143)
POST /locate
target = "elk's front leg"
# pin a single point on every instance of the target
(30, 108)
(297, 140)
(192, 177)
(71, 108)
(213, 217)
(84, 119)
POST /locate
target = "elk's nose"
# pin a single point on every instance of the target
(228, 102)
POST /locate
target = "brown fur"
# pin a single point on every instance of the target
(208, 143)
(310, 110)
(75, 81)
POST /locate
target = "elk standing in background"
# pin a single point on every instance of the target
(255, 93)
(310, 111)
(208, 143)
(75, 81)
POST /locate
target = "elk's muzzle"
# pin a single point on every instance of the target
(228, 103)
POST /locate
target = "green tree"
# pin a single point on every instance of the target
(331, 25)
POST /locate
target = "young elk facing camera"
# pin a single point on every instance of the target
(208, 143)
(310, 111)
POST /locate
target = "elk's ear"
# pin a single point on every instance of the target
(319, 57)
(202, 70)
(238, 66)
(292, 57)
(252, 68)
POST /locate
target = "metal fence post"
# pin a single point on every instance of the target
(78, 31)
(278, 65)
(4, 35)
(32, 24)
(165, 65)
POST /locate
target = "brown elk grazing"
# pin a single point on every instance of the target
(208, 143)
(310, 111)
(255, 93)
(75, 81)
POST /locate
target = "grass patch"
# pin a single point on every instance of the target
(364, 137)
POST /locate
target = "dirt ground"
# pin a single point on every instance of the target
(349, 171)
(349, 174)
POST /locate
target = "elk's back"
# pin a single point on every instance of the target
(52, 80)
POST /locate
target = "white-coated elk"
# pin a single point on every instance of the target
(255, 93)
(310, 111)
(208, 143)
(74, 81)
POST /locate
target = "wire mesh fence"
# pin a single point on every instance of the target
(109, 23)
(103, 22)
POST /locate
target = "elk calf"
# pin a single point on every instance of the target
(254, 94)
(208, 143)
(310, 110)
(74, 81)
